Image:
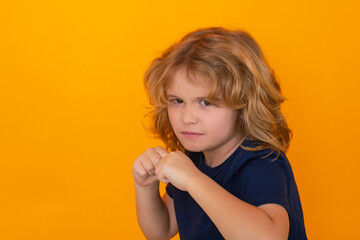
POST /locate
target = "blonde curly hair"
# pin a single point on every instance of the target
(234, 65)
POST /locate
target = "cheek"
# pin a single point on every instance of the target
(223, 119)
(171, 115)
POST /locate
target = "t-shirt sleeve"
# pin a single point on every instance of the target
(169, 190)
(264, 181)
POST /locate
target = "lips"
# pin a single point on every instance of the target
(191, 134)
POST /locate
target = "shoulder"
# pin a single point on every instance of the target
(266, 159)
(266, 165)
(265, 179)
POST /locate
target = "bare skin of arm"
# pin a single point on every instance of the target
(156, 215)
(234, 218)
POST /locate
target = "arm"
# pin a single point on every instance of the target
(234, 218)
(238, 219)
(156, 216)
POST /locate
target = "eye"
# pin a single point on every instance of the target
(204, 103)
(176, 101)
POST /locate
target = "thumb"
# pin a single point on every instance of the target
(163, 180)
(160, 174)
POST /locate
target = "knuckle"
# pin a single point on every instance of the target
(149, 169)
(147, 165)
(142, 173)
(159, 148)
(172, 154)
(149, 150)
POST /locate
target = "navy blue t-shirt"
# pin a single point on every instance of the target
(252, 176)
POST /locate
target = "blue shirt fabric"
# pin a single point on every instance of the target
(254, 177)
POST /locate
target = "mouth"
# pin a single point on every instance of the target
(191, 134)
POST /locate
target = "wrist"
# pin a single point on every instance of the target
(195, 180)
(147, 192)
(148, 187)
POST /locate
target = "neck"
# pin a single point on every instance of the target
(216, 157)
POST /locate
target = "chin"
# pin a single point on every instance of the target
(192, 148)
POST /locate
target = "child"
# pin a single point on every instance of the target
(217, 109)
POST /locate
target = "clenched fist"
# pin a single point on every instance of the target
(145, 165)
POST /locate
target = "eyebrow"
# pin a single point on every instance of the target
(171, 95)
(174, 96)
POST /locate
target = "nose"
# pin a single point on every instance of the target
(189, 115)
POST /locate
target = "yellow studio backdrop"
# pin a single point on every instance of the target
(72, 106)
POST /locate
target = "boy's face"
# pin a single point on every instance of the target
(199, 125)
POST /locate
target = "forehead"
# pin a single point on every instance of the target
(183, 86)
(181, 82)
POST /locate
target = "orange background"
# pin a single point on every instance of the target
(72, 106)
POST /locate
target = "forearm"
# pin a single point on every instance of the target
(234, 218)
(152, 214)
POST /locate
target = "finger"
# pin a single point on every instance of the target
(163, 180)
(160, 174)
(149, 167)
(161, 151)
(158, 167)
(155, 156)
(140, 171)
